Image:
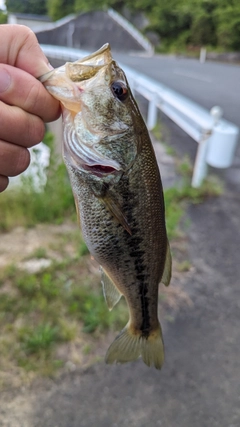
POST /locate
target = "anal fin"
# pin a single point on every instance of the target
(110, 292)
(167, 273)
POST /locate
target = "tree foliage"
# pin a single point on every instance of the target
(57, 9)
(3, 17)
(27, 6)
(228, 26)
(87, 5)
(177, 22)
(194, 22)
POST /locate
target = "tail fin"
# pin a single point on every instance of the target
(128, 347)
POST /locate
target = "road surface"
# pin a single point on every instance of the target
(207, 84)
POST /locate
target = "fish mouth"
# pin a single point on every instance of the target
(67, 82)
(82, 69)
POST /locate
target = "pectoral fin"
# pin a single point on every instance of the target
(110, 292)
(167, 273)
(117, 213)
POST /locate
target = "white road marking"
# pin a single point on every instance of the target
(195, 76)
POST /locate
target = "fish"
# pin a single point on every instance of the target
(118, 194)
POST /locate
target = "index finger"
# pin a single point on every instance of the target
(25, 91)
(21, 49)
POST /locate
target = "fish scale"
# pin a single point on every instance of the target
(119, 197)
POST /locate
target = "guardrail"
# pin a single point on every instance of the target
(217, 138)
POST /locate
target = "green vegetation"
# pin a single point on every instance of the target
(3, 17)
(177, 198)
(180, 24)
(27, 6)
(27, 207)
(157, 131)
(40, 311)
(184, 266)
(39, 253)
(57, 9)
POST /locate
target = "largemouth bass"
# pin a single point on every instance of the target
(118, 194)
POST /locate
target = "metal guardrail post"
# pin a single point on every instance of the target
(152, 113)
(200, 165)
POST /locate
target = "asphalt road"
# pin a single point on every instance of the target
(207, 84)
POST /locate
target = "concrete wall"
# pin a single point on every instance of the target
(90, 31)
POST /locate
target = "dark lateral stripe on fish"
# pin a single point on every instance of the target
(136, 252)
(142, 278)
(145, 326)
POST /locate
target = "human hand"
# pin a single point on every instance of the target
(24, 102)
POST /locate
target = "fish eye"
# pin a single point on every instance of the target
(120, 90)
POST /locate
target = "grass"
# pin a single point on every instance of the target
(42, 337)
(26, 207)
(40, 311)
(157, 131)
(178, 197)
(39, 253)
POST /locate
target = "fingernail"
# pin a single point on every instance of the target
(5, 80)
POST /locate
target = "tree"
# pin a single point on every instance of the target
(228, 25)
(27, 6)
(87, 5)
(3, 17)
(171, 20)
(57, 9)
